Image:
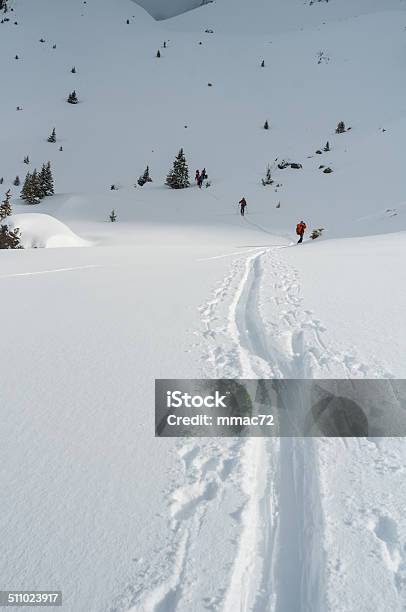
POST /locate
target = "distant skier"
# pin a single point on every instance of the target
(300, 230)
(243, 204)
(197, 177)
(202, 178)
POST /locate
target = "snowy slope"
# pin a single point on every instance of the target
(302, 100)
(181, 286)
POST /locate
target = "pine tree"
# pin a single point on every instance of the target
(10, 239)
(5, 207)
(31, 191)
(340, 129)
(113, 216)
(268, 177)
(266, 125)
(52, 136)
(26, 192)
(36, 186)
(73, 98)
(42, 187)
(263, 64)
(46, 181)
(327, 147)
(73, 70)
(158, 54)
(145, 178)
(178, 177)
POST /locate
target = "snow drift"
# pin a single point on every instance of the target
(43, 231)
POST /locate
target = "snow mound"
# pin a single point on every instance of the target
(44, 231)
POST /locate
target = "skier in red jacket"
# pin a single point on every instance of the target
(300, 230)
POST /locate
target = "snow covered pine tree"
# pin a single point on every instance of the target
(9, 239)
(46, 181)
(268, 180)
(5, 207)
(340, 129)
(73, 98)
(145, 178)
(178, 177)
(52, 136)
(29, 192)
(38, 185)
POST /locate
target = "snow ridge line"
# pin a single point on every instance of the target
(88, 267)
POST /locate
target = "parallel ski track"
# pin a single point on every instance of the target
(270, 569)
(272, 563)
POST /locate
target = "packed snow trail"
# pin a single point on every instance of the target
(272, 477)
(278, 582)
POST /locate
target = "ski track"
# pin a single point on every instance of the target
(38, 273)
(278, 564)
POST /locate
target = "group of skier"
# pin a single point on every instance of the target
(300, 227)
(200, 177)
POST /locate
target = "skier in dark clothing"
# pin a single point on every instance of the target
(197, 177)
(243, 204)
(203, 176)
(300, 230)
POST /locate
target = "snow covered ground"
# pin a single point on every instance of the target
(182, 286)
